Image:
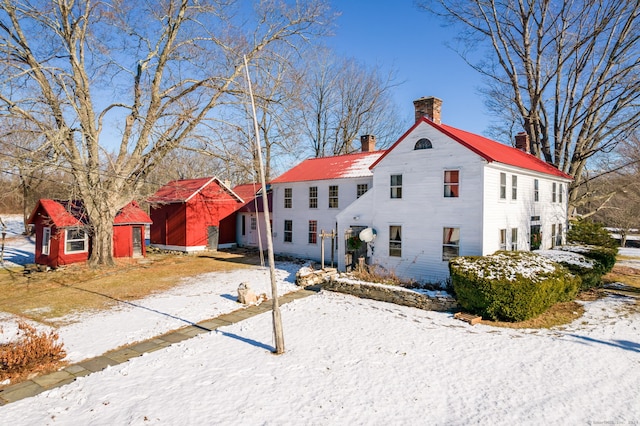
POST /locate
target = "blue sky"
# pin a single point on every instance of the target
(396, 34)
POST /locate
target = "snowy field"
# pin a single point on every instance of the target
(347, 361)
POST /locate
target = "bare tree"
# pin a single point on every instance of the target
(133, 78)
(568, 72)
(345, 99)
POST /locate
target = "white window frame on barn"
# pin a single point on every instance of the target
(46, 240)
(81, 244)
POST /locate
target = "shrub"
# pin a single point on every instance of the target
(585, 231)
(511, 286)
(589, 270)
(605, 257)
(32, 351)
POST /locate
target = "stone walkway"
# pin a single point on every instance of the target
(69, 374)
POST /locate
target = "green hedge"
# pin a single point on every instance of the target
(589, 270)
(605, 256)
(510, 286)
(584, 231)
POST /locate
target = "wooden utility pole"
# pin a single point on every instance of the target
(277, 317)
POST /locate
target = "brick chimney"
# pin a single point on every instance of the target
(522, 142)
(429, 107)
(368, 143)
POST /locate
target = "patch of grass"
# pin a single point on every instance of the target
(557, 315)
(624, 275)
(47, 296)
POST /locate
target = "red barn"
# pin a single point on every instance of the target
(62, 238)
(194, 215)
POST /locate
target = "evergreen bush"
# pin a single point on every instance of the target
(585, 231)
(511, 286)
(589, 270)
(605, 257)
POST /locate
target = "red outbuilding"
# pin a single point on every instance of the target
(62, 237)
(194, 215)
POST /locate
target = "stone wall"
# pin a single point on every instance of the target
(390, 294)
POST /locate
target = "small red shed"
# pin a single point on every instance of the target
(62, 238)
(194, 215)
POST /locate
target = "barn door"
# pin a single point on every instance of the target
(137, 241)
(212, 234)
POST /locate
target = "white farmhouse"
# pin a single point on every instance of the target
(440, 192)
(307, 198)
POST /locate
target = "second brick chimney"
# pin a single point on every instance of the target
(368, 143)
(522, 142)
(429, 107)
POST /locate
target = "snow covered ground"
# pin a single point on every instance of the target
(347, 361)
(19, 249)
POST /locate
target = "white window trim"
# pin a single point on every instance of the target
(66, 240)
(46, 241)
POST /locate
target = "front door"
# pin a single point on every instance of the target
(212, 233)
(137, 241)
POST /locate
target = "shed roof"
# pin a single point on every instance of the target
(336, 167)
(67, 213)
(488, 149)
(181, 191)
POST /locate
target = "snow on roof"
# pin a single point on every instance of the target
(488, 149)
(336, 167)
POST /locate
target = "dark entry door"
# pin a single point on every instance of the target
(212, 233)
(137, 241)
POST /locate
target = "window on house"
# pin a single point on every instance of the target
(559, 235)
(396, 186)
(313, 197)
(450, 243)
(46, 240)
(288, 231)
(423, 143)
(288, 197)
(313, 231)
(536, 190)
(254, 223)
(503, 186)
(554, 193)
(333, 196)
(503, 239)
(451, 183)
(244, 226)
(514, 239)
(514, 187)
(75, 241)
(362, 188)
(560, 192)
(395, 241)
(553, 235)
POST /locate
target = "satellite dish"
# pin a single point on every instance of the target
(367, 235)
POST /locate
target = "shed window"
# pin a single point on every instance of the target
(395, 241)
(46, 240)
(75, 241)
(423, 143)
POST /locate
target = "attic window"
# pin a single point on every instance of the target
(423, 143)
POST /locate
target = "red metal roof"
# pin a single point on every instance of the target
(488, 149)
(130, 214)
(180, 191)
(66, 213)
(336, 167)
